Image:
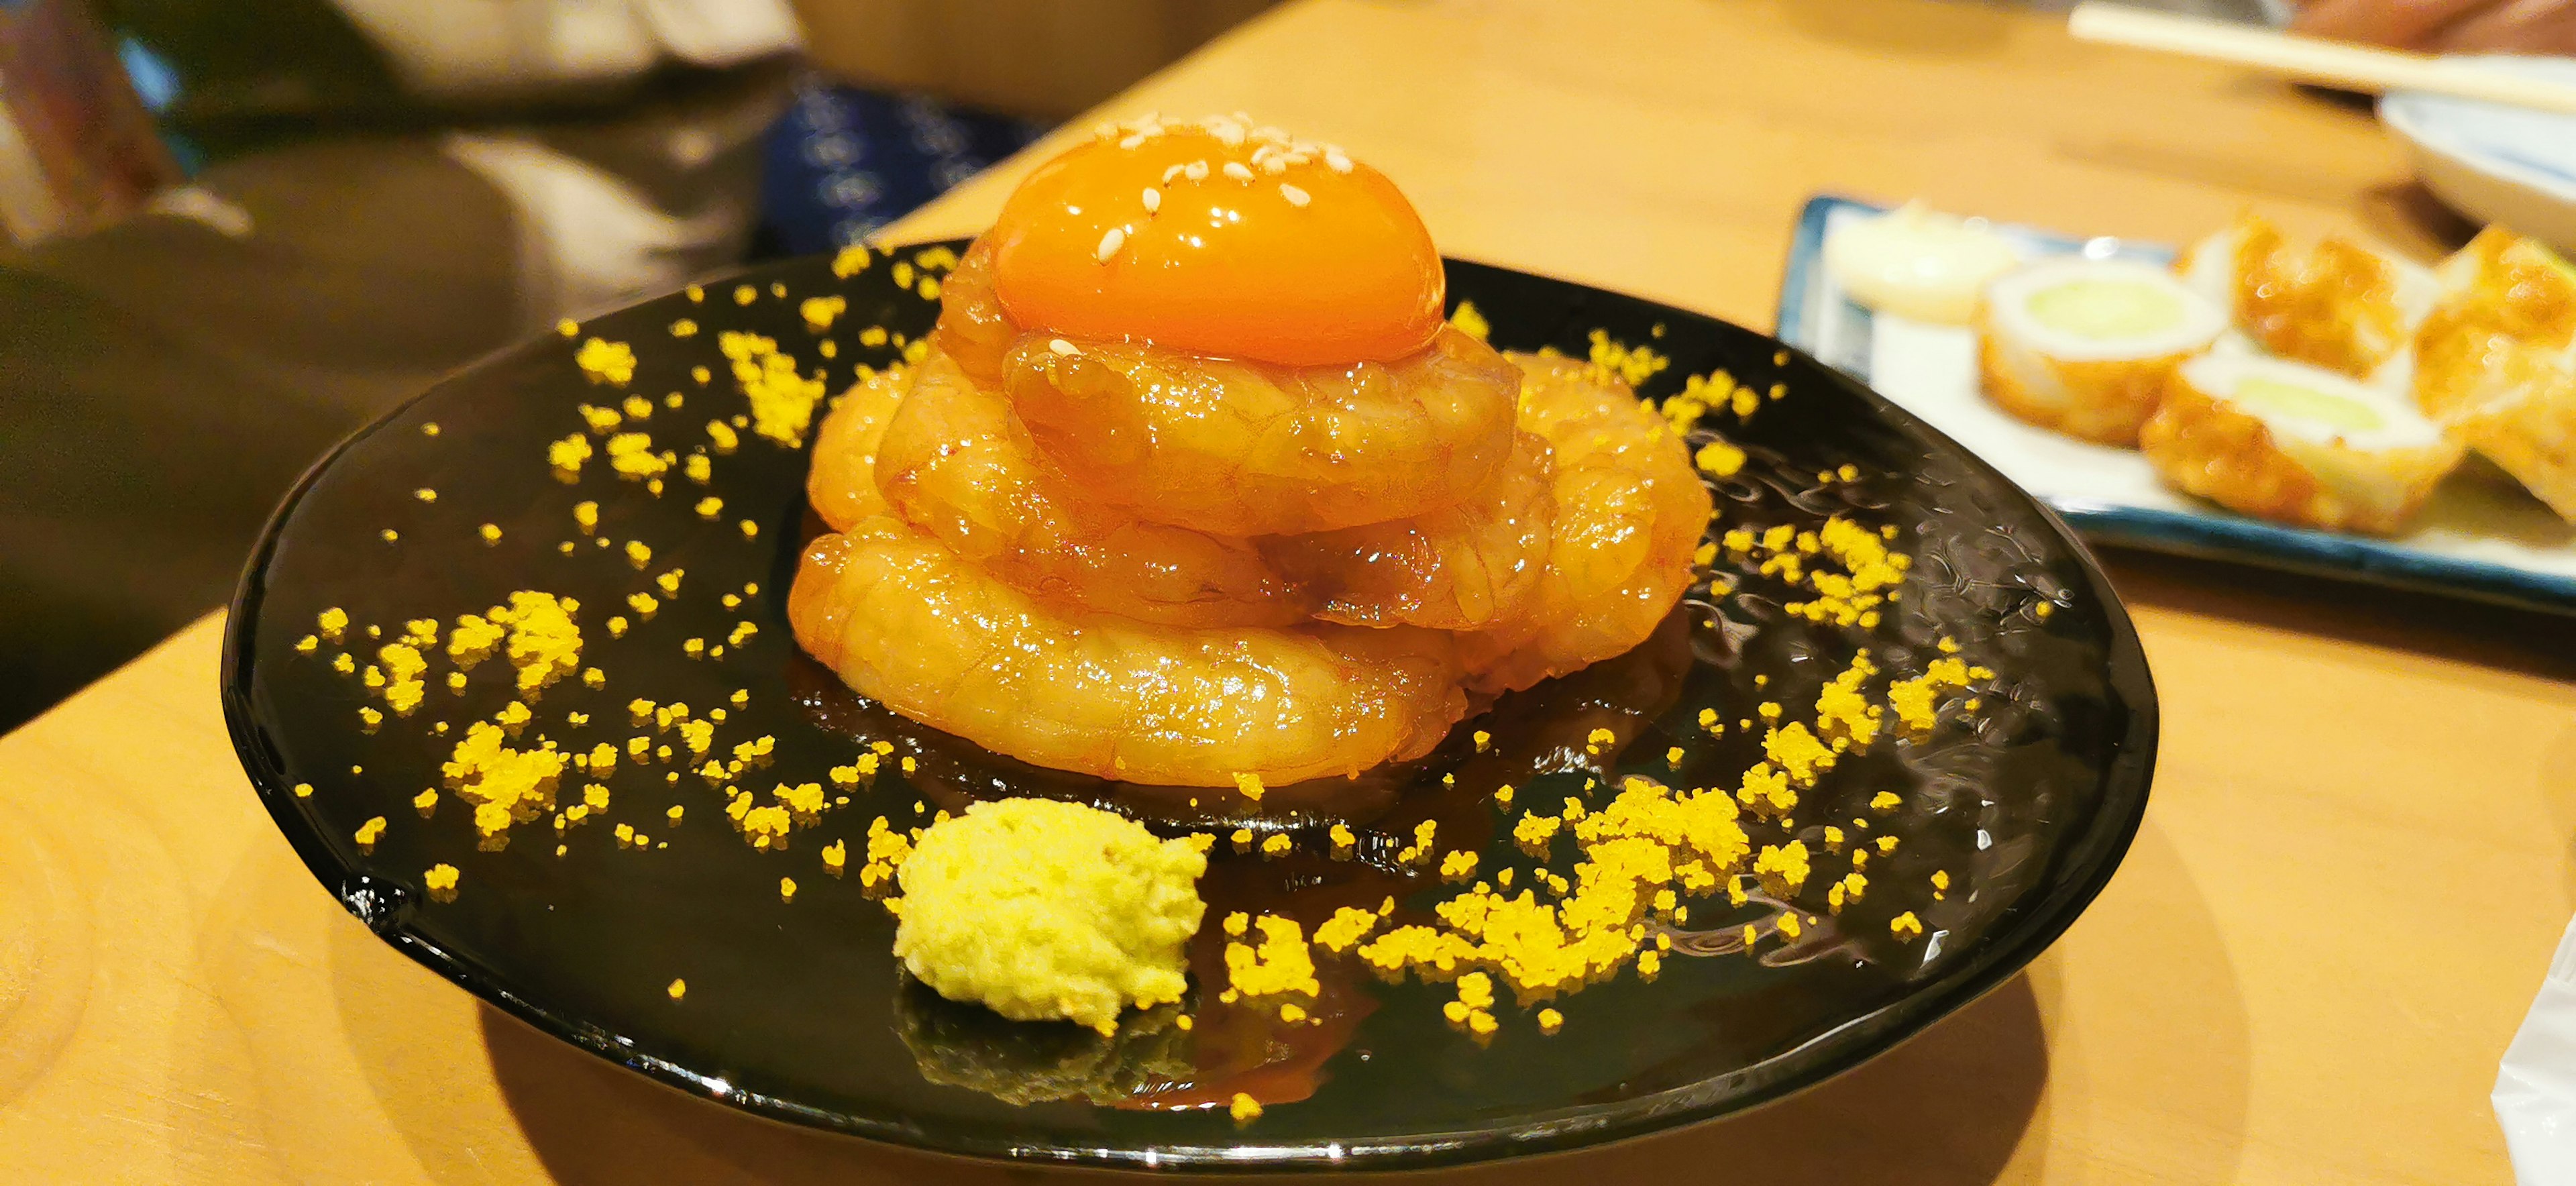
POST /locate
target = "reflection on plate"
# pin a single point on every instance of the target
(2480, 536)
(797, 1010)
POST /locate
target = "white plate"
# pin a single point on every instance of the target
(2504, 165)
(2481, 536)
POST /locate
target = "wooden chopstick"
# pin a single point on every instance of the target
(2311, 59)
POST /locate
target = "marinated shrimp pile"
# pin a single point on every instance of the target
(1196, 487)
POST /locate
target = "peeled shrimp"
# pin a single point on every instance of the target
(957, 464)
(907, 623)
(1241, 448)
(843, 482)
(1468, 566)
(972, 327)
(1629, 513)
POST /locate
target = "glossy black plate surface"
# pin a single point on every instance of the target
(797, 1010)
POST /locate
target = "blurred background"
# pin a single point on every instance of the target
(235, 232)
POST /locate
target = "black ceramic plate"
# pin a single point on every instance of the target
(797, 1010)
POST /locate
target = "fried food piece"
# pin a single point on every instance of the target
(2086, 346)
(1463, 567)
(2297, 444)
(2332, 303)
(1244, 448)
(1629, 513)
(906, 622)
(842, 483)
(957, 464)
(2496, 362)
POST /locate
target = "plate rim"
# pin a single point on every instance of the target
(2205, 534)
(2089, 859)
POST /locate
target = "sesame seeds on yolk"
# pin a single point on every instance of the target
(1253, 246)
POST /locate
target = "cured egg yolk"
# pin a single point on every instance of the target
(1221, 240)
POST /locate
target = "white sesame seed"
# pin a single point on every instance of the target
(1062, 349)
(1271, 134)
(1153, 200)
(1275, 166)
(1229, 133)
(1133, 140)
(1115, 238)
(1195, 170)
(1296, 197)
(1235, 169)
(1170, 173)
(1335, 161)
(1104, 129)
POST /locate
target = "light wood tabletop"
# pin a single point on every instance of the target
(2346, 891)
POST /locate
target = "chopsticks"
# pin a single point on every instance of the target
(2331, 63)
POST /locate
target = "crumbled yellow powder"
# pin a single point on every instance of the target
(425, 494)
(425, 802)
(1346, 927)
(750, 530)
(1279, 962)
(1458, 865)
(873, 336)
(782, 401)
(1719, 459)
(1243, 1108)
(1249, 785)
(1799, 754)
(786, 889)
(304, 790)
(742, 632)
(1782, 867)
(710, 507)
(1550, 1021)
(604, 361)
(631, 455)
(370, 832)
(1471, 322)
(669, 582)
(638, 553)
(599, 419)
(679, 988)
(1905, 926)
(820, 312)
(440, 881)
(1631, 364)
(1276, 844)
(1789, 924)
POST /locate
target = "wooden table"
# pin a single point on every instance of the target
(2346, 891)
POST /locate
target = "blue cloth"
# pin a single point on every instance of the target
(843, 162)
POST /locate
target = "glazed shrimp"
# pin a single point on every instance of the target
(843, 484)
(972, 327)
(957, 464)
(1464, 567)
(907, 623)
(1244, 448)
(1629, 513)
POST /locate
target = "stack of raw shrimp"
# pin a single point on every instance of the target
(1143, 515)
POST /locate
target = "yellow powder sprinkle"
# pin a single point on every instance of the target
(670, 581)
(1550, 1021)
(1905, 926)
(1719, 459)
(425, 802)
(850, 261)
(1471, 322)
(304, 790)
(750, 530)
(1346, 927)
(425, 494)
(1632, 364)
(1276, 844)
(782, 401)
(491, 533)
(370, 832)
(1243, 1108)
(637, 553)
(786, 889)
(679, 988)
(1249, 785)
(1279, 963)
(605, 361)
(820, 312)
(440, 881)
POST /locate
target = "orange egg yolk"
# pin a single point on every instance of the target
(1234, 246)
